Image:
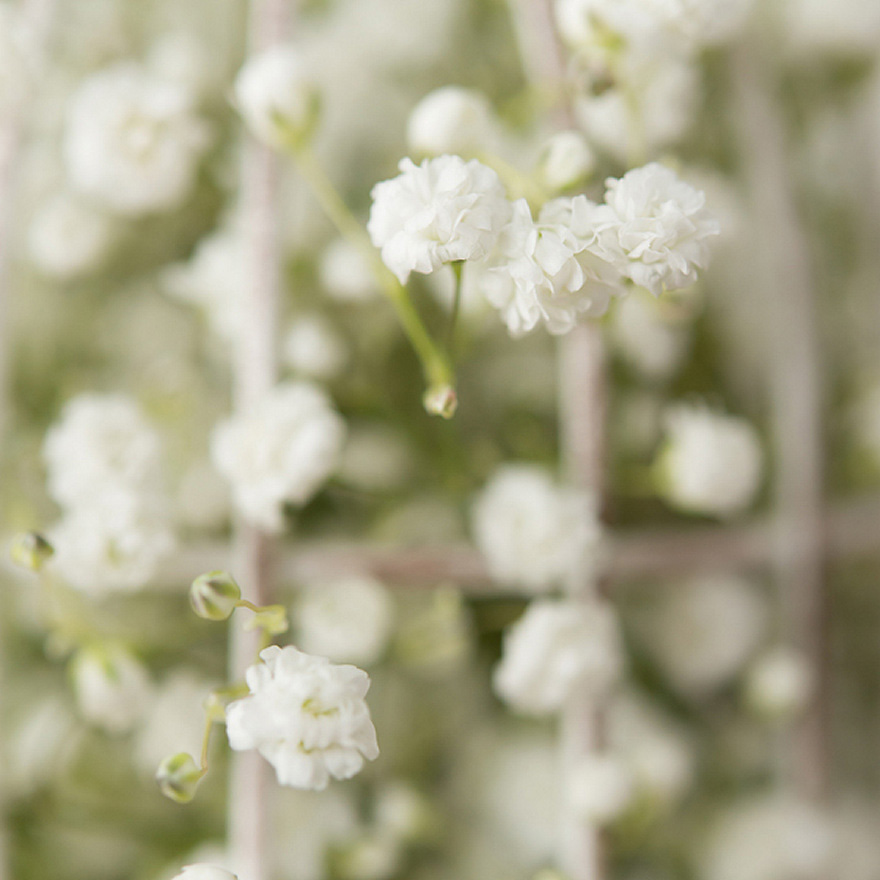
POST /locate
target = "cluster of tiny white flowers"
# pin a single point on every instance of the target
(347, 621)
(105, 471)
(306, 716)
(281, 451)
(653, 230)
(711, 463)
(555, 648)
(531, 532)
(133, 141)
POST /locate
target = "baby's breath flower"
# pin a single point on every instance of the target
(306, 716)
(449, 120)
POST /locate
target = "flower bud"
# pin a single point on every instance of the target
(179, 777)
(277, 99)
(441, 400)
(214, 595)
(31, 550)
(449, 120)
(566, 160)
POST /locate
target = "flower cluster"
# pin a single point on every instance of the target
(105, 471)
(306, 716)
(281, 451)
(653, 230)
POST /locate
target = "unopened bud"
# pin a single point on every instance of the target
(31, 550)
(179, 777)
(441, 400)
(214, 595)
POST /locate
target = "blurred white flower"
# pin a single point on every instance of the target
(280, 452)
(554, 649)
(450, 120)
(276, 95)
(532, 532)
(348, 620)
(706, 629)
(652, 344)
(600, 788)
(182, 58)
(771, 838)
(306, 716)
(402, 812)
(205, 872)
(545, 272)
(376, 458)
(313, 348)
(133, 142)
(654, 228)
(214, 279)
(566, 159)
(68, 238)
(779, 684)
(441, 211)
(710, 463)
(112, 688)
(345, 273)
(371, 856)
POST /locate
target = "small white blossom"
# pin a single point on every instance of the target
(280, 452)
(566, 159)
(450, 120)
(204, 872)
(779, 684)
(132, 141)
(276, 95)
(306, 716)
(600, 788)
(112, 687)
(532, 532)
(68, 238)
(554, 649)
(545, 272)
(655, 228)
(313, 348)
(347, 621)
(215, 280)
(441, 211)
(711, 463)
(345, 273)
(705, 630)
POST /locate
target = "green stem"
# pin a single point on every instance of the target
(435, 362)
(457, 268)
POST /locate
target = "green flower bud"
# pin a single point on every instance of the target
(441, 400)
(179, 777)
(31, 550)
(214, 595)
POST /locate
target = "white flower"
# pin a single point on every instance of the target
(345, 273)
(204, 872)
(215, 280)
(68, 238)
(112, 688)
(117, 548)
(276, 95)
(532, 532)
(441, 211)
(347, 621)
(101, 444)
(280, 452)
(313, 348)
(711, 463)
(779, 684)
(545, 273)
(306, 716)
(449, 120)
(706, 629)
(648, 340)
(132, 141)
(600, 788)
(554, 649)
(566, 160)
(654, 228)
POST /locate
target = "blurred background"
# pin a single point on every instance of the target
(747, 728)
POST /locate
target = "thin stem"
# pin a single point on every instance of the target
(457, 269)
(435, 362)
